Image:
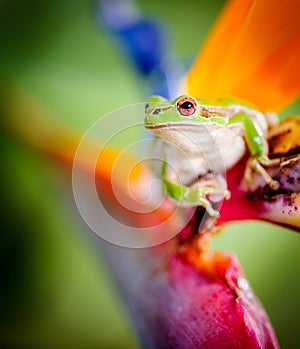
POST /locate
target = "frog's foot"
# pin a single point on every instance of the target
(264, 160)
(224, 193)
(256, 164)
(191, 196)
(213, 186)
(199, 197)
(204, 202)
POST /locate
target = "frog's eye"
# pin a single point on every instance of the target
(186, 106)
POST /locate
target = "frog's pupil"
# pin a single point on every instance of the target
(186, 105)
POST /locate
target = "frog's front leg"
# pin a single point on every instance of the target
(189, 197)
(257, 146)
(195, 195)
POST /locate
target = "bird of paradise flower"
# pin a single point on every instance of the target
(183, 294)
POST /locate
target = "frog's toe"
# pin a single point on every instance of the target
(227, 194)
(255, 164)
(274, 184)
(214, 213)
(209, 209)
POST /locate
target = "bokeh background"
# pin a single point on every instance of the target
(55, 288)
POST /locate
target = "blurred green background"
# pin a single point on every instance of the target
(55, 291)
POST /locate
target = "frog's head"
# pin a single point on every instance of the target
(160, 111)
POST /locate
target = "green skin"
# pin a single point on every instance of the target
(161, 114)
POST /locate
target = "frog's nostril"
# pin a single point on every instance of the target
(156, 111)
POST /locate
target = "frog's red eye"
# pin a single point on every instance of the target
(187, 106)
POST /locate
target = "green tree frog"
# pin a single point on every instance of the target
(199, 141)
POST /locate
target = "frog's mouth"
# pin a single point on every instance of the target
(180, 132)
(172, 125)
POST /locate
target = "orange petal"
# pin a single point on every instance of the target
(51, 136)
(29, 120)
(251, 53)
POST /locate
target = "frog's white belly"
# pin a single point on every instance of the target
(194, 151)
